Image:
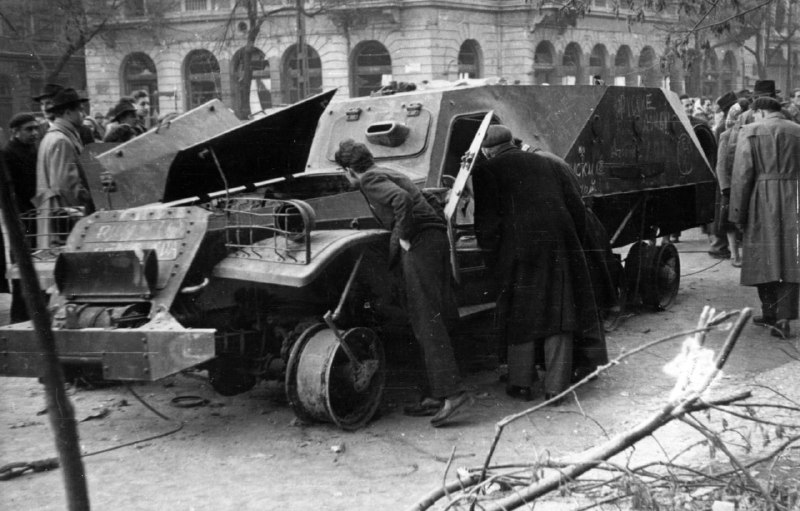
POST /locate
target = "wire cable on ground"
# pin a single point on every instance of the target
(704, 269)
(13, 470)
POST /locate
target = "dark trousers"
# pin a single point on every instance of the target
(19, 311)
(779, 300)
(558, 352)
(430, 306)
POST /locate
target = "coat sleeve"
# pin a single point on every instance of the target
(383, 191)
(572, 199)
(742, 181)
(65, 179)
(724, 163)
(488, 209)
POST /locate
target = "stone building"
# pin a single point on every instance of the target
(359, 45)
(21, 73)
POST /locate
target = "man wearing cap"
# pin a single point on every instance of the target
(764, 203)
(530, 219)
(60, 180)
(419, 243)
(124, 119)
(20, 156)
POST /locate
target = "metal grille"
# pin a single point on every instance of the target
(270, 229)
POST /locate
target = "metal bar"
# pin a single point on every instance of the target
(338, 311)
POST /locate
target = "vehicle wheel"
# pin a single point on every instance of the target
(636, 264)
(653, 274)
(323, 385)
(229, 377)
(663, 278)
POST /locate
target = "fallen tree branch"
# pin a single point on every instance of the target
(685, 398)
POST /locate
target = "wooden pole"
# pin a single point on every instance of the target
(59, 408)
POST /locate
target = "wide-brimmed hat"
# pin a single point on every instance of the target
(496, 134)
(727, 100)
(121, 109)
(50, 90)
(764, 88)
(66, 97)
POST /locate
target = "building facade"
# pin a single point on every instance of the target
(359, 46)
(28, 52)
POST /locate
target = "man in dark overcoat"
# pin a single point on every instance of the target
(419, 243)
(764, 202)
(530, 219)
(20, 155)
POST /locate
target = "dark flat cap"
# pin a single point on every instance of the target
(727, 100)
(50, 90)
(496, 134)
(66, 97)
(20, 119)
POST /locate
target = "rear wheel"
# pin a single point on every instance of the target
(652, 274)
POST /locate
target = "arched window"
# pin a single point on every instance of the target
(544, 71)
(728, 76)
(202, 78)
(571, 65)
(302, 74)
(370, 61)
(598, 63)
(254, 95)
(649, 72)
(139, 72)
(710, 79)
(469, 59)
(622, 66)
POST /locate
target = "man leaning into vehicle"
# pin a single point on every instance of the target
(419, 242)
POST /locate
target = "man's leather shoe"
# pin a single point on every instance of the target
(763, 321)
(452, 406)
(720, 254)
(425, 408)
(781, 329)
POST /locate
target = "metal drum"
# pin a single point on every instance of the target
(322, 384)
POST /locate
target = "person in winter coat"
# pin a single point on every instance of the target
(764, 203)
(530, 219)
(419, 243)
(60, 181)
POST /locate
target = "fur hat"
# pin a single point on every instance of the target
(764, 88)
(497, 134)
(727, 100)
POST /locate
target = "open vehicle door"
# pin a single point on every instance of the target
(467, 162)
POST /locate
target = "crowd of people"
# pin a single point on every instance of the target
(43, 161)
(757, 216)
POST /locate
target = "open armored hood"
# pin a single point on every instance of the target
(183, 158)
(272, 146)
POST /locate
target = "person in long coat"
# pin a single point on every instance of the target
(60, 179)
(530, 219)
(764, 201)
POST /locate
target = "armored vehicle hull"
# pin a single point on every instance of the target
(253, 257)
